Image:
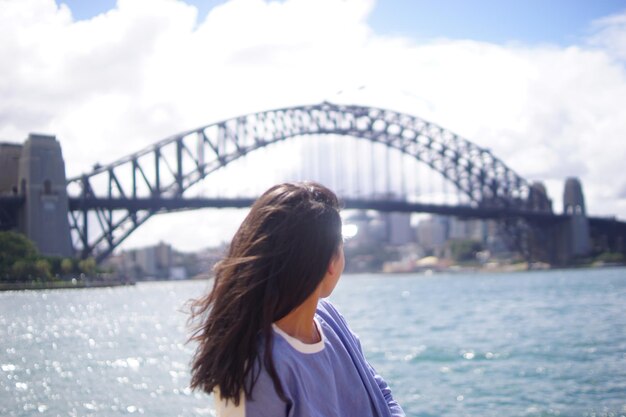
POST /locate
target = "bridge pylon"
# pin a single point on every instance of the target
(562, 241)
(574, 205)
(42, 184)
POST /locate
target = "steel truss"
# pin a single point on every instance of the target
(170, 167)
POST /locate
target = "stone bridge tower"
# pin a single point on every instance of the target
(41, 180)
(574, 205)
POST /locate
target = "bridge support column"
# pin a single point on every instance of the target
(41, 180)
(10, 154)
(572, 238)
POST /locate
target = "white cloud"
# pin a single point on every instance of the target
(610, 35)
(147, 69)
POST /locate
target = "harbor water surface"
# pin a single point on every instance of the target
(521, 344)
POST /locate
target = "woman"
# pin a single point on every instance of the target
(268, 344)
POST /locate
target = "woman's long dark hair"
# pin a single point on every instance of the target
(276, 260)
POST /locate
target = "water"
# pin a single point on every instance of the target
(523, 344)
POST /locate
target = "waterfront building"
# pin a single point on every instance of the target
(432, 234)
(399, 230)
(151, 262)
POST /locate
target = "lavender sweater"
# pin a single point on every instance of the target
(330, 378)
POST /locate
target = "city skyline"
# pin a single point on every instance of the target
(117, 80)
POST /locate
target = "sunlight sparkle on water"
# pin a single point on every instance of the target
(472, 345)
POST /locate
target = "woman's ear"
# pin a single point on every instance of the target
(337, 261)
(333, 264)
(333, 272)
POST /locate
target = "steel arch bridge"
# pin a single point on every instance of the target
(165, 170)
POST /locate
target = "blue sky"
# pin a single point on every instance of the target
(529, 21)
(561, 22)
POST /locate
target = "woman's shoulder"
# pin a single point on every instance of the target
(329, 313)
(324, 306)
(338, 325)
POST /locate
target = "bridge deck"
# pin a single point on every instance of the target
(169, 204)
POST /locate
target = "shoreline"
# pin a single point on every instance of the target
(25, 286)
(61, 285)
(492, 269)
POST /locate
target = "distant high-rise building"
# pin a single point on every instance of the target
(432, 233)
(398, 227)
(467, 229)
(149, 262)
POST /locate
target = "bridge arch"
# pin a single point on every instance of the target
(170, 167)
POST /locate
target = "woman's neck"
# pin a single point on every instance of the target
(299, 322)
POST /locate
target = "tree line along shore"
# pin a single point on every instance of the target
(23, 267)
